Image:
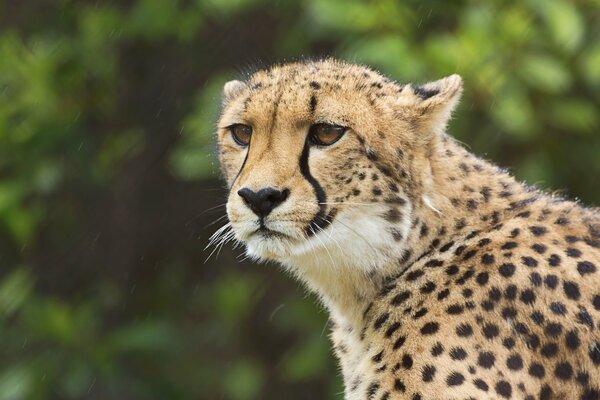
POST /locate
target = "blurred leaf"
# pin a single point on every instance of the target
(149, 336)
(545, 73)
(306, 361)
(591, 64)
(244, 380)
(14, 290)
(574, 115)
(16, 383)
(565, 23)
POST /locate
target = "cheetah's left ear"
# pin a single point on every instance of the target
(433, 104)
(231, 90)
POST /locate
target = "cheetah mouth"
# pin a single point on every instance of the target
(268, 233)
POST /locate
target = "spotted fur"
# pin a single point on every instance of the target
(444, 277)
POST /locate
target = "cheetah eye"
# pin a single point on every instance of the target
(241, 134)
(325, 134)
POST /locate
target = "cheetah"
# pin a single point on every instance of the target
(443, 276)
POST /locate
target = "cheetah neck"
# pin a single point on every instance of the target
(459, 194)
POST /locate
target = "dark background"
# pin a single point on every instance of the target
(109, 187)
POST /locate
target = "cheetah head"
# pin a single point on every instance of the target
(327, 160)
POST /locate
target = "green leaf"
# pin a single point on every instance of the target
(14, 290)
(574, 115)
(545, 73)
(565, 24)
(244, 380)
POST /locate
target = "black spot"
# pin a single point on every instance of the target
(484, 242)
(510, 292)
(537, 230)
(553, 329)
(372, 389)
(546, 393)
(452, 270)
(443, 294)
(455, 309)
(407, 361)
(464, 330)
(430, 328)
(573, 252)
(508, 342)
(507, 270)
(527, 296)
(428, 373)
(494, 294)
(437, 349)
(380, 321)
(455, 379)
(481, 385)
(583, 378)
(446, 247)
(486, 359)
(399, 386)
(420, 313)
(490, 330)
(377, 357)
(504, 389)
(392, 329)
(571, 290)
(537, 370)
(487, 259)
(585, 267)
(400, 298)
(469, 254)
(554, 260)
(458, 251)
(514, 362)
(549, 350)
(590, 394)
(458, 353)
(558, 308)
(596, 302)
(551, 281)
(535, 279)
(509, 245)
(482, 278)
(563, 371)
(594, 352)
(315, 85)
(572, 340)
(428, 287)
(413, 275)
(529, 261)
(537, 317)
(509, 312)
(539, 248)
(399, 342)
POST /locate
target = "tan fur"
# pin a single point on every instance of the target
(410, 211)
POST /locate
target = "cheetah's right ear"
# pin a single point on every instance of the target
(231, 90)
(432, 104)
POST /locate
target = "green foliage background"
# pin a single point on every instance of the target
(109, 185)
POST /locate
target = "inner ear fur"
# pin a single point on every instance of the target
(432, 105)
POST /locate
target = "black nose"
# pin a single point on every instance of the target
(263, 201)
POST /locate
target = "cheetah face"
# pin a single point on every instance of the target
(313, 164)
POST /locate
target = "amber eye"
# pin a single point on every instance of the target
(325, 134)
(241, 134)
